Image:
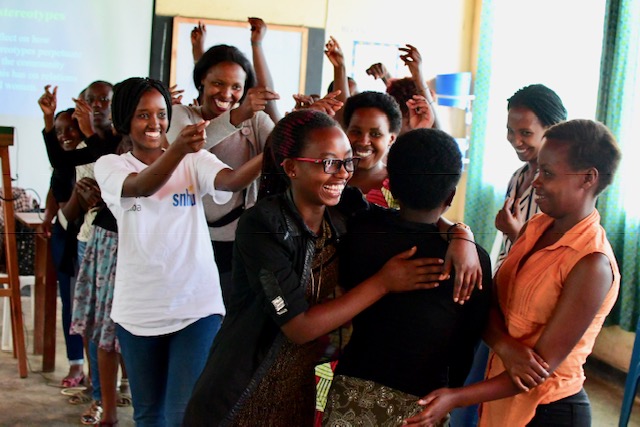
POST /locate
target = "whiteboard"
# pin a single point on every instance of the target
(285, 49)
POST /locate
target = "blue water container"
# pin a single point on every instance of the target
(453, 89)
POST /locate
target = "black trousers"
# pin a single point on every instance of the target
(572, 411)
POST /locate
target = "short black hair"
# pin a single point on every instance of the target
(223, 53)
(424, 167)
(379, 100)
(545, 104)
(126, 96)
(590, 144)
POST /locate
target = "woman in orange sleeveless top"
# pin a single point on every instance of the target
(553, 292)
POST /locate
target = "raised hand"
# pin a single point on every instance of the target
(334, 52)
(198, 37)
(379, 71)
(412, 59)
(509, 219)
(48, 102)
(420, 113)
(258, 30)
(84, 115)
(255, 100)
(302, 101)
(329, 104)
(176, 95)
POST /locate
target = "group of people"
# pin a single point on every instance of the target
(226, 251)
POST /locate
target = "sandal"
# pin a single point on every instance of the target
(70, 382)
(72, 391)
(124, 400)
(92, 415)
(80, 398)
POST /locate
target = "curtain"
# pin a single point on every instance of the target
(481, 201)
(619, 109)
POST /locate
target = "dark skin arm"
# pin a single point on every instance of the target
(263, 74)
(340, 81)
(85, 195)
(462, 257)
(583, 294)
(190, 140)
(50, 211)
(399, 274)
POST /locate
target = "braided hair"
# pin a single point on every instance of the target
(126, 96)
(223, 53)
(288, 139)
(381, 101)
(70, 111)
(545, 104)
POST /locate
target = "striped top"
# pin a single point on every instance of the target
(528, 207)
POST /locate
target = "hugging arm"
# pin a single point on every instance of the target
(583, 293)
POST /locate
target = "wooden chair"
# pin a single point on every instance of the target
(11, 282)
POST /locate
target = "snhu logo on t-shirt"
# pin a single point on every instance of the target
(188, 198)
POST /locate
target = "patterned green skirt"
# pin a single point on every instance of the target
(354, 402)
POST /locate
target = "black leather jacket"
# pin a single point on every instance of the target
(271, 271)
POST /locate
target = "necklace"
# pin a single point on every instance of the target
(318, 262)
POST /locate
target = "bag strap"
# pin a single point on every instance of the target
(228, 218)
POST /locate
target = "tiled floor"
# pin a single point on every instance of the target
(36, 400)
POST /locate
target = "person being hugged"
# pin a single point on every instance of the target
(167, 302)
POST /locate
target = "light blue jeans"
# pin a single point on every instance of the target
(163, 370)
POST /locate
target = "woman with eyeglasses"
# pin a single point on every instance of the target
(261, 366)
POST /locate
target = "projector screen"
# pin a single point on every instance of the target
(69, 44)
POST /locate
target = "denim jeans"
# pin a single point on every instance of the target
(467, 416)
(163, 370)
(66, 283)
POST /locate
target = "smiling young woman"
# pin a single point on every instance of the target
(553, 292)
(285, 276)
(167, 303)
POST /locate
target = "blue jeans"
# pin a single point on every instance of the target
(163, 370)
(66, 283)
(468, 416)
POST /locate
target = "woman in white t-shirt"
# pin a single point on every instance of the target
(167, 301)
